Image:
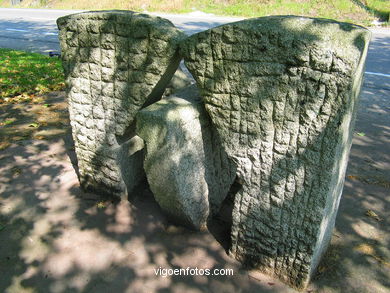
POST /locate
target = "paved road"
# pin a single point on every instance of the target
(35, 30)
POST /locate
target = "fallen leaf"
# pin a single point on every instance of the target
(101, 205)
(4, 145)
(35, 125)
(371, 180)
(372, 214)
(21, 137)
(381, 260)
(360, 133)
(336, 235)
(16, 171)
(322, 269)
(370, 251)
(8, 122)
(365, 249)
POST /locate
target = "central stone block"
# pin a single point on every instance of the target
(187, 170)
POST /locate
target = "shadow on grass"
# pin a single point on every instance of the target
(383, 15)
(43, 117)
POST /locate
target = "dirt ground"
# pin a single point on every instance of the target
(55, 238)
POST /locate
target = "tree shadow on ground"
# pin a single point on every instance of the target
(358, 257)
(44, 117)
(57, 238)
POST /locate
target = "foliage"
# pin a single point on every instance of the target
(24, 74)
(29, 109)
(357, 11)
(380, 8)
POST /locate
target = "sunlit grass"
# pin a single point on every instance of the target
(342, 10)
(380, 7)
(26, 80)
(24, 74)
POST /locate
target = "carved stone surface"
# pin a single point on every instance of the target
(115, 62)
(184, 163)
(282, 93)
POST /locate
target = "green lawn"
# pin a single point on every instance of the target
(356, 11)
(379, 7)
(25, 74)
(30, 107)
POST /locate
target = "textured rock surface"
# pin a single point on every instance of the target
(282, 93)
(115, 62)
(184, 163)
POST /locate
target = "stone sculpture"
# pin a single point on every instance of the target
(184, 163)
(115, 62)
(281, 92)
(280, 95)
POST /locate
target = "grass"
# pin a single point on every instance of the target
(356, 11)
(30, 105)
(23, 75)
(380, 8)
